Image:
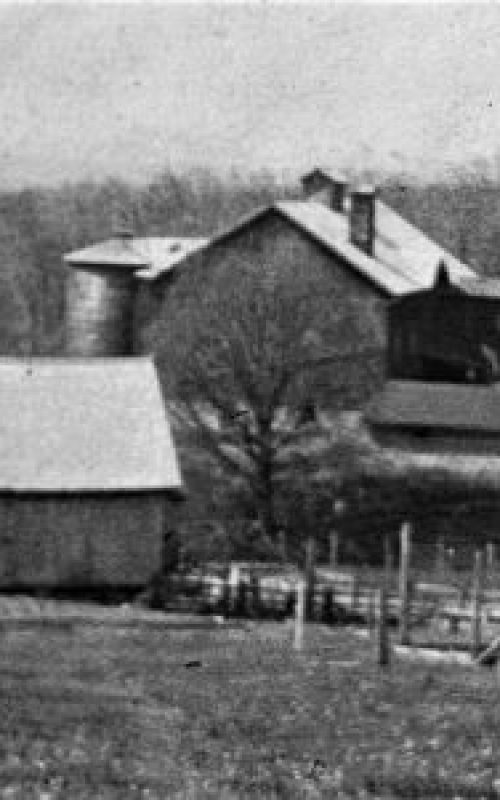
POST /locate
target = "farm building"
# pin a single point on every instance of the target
(436, 421)
(438, 416)
(443, 368)
(88, 471)
(448, 332)
(88, 468)
(105, 308)
(343, 243)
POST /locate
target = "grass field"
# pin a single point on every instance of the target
(234, 713)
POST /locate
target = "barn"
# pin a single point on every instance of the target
(443, 368)
(88, 468)
(88, 472)
(437, 418)
(448, 332)
(342, 240)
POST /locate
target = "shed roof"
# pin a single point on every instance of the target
(84, 425)
(151, 256)
(445, 406)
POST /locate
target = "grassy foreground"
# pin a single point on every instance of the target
(109, 713)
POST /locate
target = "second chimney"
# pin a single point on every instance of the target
(324, 187)
(362, 218)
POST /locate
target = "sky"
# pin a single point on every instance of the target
(93, 90)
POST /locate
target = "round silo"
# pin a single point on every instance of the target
(100, 295)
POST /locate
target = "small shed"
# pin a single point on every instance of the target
(437, 417)
(449, 332)
(88, 472)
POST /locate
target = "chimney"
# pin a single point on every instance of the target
(100, 297)
(362, 218)
(338, 192)
(326, 187)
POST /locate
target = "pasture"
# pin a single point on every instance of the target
(112, 711)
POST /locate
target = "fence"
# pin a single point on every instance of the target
(455, 598)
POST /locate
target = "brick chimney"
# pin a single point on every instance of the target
(362, 218)
(327, 187)
(100, 297)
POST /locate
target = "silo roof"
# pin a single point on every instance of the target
(119, 251)
(84, 425)
(151, 256)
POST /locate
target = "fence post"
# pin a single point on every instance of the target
(387, 561)
(440, 566)
(310, 577)
(234, 580)
(371, 609)
(404, 584)
(334, 549)
(476, 604)
(490, 557)
(383, 649)
(355, 592)
(282, 546)
(255, 594)
(300, 602)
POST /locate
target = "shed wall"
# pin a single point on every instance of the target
(80, 540)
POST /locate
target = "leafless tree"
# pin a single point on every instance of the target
(257, 354)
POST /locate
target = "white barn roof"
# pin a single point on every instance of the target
(84, 425)
(404, 258)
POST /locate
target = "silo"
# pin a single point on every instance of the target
(100, 295)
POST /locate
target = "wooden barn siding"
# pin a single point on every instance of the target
(100, 312)
(272, 240)
(63, 540)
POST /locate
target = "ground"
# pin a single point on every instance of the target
(91, 711)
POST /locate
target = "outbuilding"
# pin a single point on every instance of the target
(88, 472)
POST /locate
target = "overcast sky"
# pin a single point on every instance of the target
(94, 90)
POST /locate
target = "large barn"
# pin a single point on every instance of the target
(341, 239)
(344, 241)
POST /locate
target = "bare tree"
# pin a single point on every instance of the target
(256, 352)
